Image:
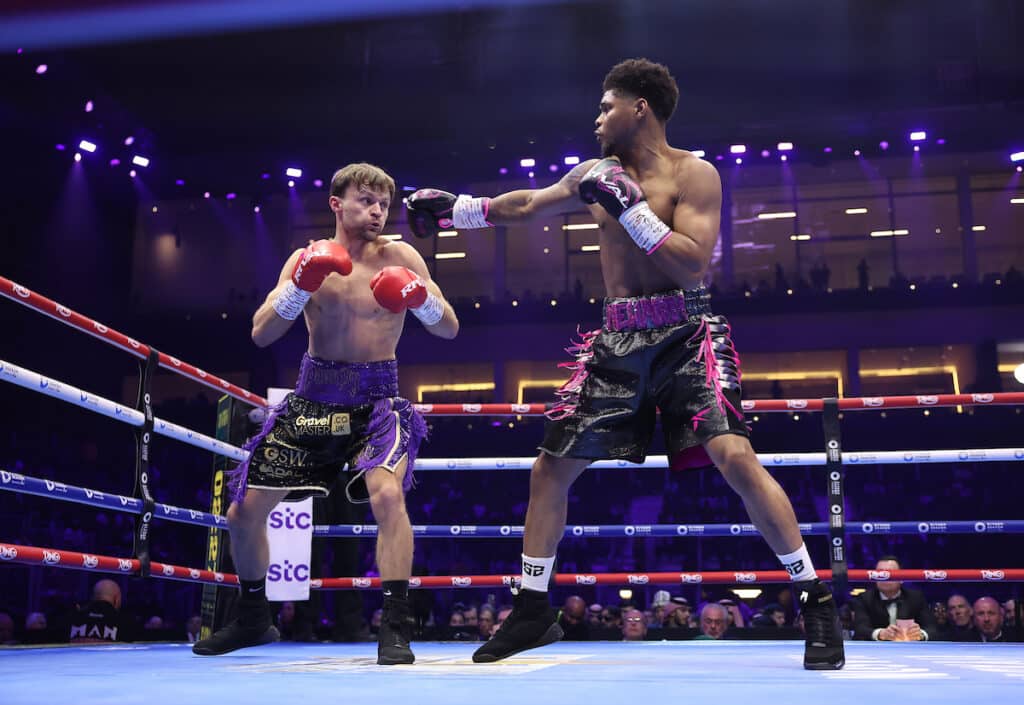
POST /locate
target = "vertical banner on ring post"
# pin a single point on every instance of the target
(836, 503)
(143, 436)
(290, 536)
(218, 506)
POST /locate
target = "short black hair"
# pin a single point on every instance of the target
(887, 558)
(645, 79)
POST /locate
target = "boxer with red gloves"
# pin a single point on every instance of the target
(661, 347)
(345, 410)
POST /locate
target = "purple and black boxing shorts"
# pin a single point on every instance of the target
(340, 414)
(665, 352)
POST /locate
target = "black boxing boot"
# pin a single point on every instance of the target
(823, 649)
(532, 623)
(252, 626)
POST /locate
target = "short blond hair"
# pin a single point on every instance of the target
(361, 174)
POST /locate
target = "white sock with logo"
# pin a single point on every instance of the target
(798, 564)
(536, 572)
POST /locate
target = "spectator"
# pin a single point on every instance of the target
(988, 619)
(960, 614)
(659, 604)
(714, 620)
(611, 617)
(735, 615)
(35, 622)
(154, 623)
(678, 614)
(634, 625)
(1010, 613)
(486, 619)
(6, 630)
(192, 628)
(887, 611)
(862, 275)
(941, 616)
(471, 615)
(572, 619)
(594, 615)
(100, 620)
(295, 626)
(775, 611)
(503, 614)
(457, 620)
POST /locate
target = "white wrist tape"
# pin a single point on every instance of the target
(431, 311)
(647, 230)
(469, 212)
(290, 302)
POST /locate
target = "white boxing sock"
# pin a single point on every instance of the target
(537, 572)
(798, 564)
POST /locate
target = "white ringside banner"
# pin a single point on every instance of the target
(290, 531)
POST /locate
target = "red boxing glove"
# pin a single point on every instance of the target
(318, 260)
(398, 288)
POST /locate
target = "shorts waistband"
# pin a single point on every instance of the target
(656, 310)
(348, 383)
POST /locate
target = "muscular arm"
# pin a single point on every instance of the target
(525, 204)
(267, 326)
(695, 222)
(448, 326)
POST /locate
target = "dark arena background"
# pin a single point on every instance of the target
(163, 158)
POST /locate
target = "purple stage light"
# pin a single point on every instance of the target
(828, 150)
(856, 152)
(783, 157)
(553, 168)
(917, 148)
(115, 162)
(88, 106)
(20, 50)
(41, 69)
(918, 135)
(784, 146)
(319, 183)
(78, 157)
(293, 172)
(231, 196)
(1017, 157)
(256, 209)
(139, 160)
(530, 175)
(60, 147)
(765, 153)
(739, 160)
(502, 171)
(206, 194)
(87, 146)
(132, 173)
(129, 141)
(941, 140)
(265, 175)
(719, 157)
(738, 149)
(527, 163)
(571, 160)
(291, 184)
(699, 153)
(883, 145)
(179, 182)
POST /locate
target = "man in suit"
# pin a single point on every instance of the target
(890, 612)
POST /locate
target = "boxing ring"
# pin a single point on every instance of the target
(606, 672)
